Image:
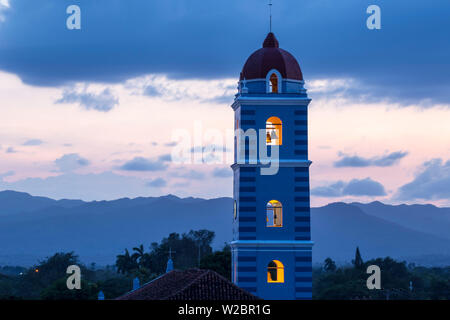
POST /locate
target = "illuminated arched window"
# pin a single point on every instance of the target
(274, 216)
(275, 271)
(273, 83)
(274, 131)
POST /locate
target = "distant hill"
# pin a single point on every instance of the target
(32, 228)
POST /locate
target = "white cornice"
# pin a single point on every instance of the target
(281, 163)
(271, 243)
(279, 101)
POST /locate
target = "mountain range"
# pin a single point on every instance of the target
(32, 228)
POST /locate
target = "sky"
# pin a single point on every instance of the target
(95, 113)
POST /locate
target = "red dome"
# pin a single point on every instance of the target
(269, 57)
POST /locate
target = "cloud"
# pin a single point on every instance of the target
(71, 162)
(103, 101)
(171, 144)
(151, 91)
(222, 172)
(6, 174)
(380, 161)
(431, 183)
(143, 164)
(165, 157)
(355, 187)
(11, 150)
(190, 175)
(157, 183)
(199, 40)
(33, 142)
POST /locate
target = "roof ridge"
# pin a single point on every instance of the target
(141, 288)
(203, 272)
(221, 277)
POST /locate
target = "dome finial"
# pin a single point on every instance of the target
(271, 41)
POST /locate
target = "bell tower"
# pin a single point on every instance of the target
(272, 247)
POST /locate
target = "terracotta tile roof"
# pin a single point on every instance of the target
(192, 284)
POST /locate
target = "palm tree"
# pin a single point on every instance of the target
(125, 262)
(139, 254)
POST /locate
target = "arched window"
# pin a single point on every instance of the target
(274, 131)
(273, 81)
(275, 271)
(273, 85)
(274, 214)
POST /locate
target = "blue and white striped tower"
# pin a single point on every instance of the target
(272, 247)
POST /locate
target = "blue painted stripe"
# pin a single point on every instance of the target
(247, 179)
(247, 189)
(242, 237)
(303, 289)
(247, 112)
(247, 219)
(301, 179)
(246, 269)
(247, 229)
(247, 199)
(303, 269)
(301, 142)
(247, 209)
(303, 279)
(246, 258)
(302, 259)
(246, 279)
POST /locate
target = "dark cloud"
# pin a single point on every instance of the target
(431, 183)
(405, 61)
(222, 172)
(170, 144)
(11, 150)
(165, 157)
(33, 142)
(143, 164)
(380, 161)
(355, 187)
(103, 101)
(157, 183)
(70, 162)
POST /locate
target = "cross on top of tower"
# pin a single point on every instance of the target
(270, 15)
(170, 252)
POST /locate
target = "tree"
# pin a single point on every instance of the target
(126, 263)
(219, 261)
(139, 254)
(329, 265)
(358, 261)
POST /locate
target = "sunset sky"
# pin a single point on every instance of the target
(92, 113)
